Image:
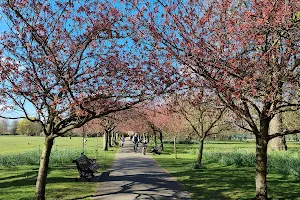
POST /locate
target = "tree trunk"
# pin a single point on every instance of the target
(278, 143)
(83, 144)
(83, 139)
(110, 139)
(161, 141)
(105, 141)
(155, 142)
(44, 164)
(200, 153)
(148, 138)
(175, 152)
(113, 138)
(261, 161)
(97, 146)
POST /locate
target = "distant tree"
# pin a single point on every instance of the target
(161, 121)
(133, 120)
(170, 123)
(291, 121)
(3, 126)
(27, 127)
(104, 126)
(149, 120)
(109, 126)
(276, 126)
(14, 127)
(153, 120)
(91, 129)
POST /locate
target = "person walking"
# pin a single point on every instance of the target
(135, 141)
(144, 147)
(122, 140)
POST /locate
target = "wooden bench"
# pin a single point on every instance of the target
(86, 167)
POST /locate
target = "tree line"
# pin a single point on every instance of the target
(20, 127)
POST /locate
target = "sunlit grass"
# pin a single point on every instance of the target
(218, 181)
(19, 144)
(18, 182)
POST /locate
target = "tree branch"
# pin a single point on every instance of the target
(285, 132)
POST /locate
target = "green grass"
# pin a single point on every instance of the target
(218, 181)
(18, 182)
(19, 144)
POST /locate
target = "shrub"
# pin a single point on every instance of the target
(187, 142)
(58, 156)
(285, 163)
(181, 142)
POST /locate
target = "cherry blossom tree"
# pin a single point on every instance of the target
(135, 121)
(151, 117)
(203, 114)
(108, 125)
(103, 126)
(159, 119)
(246, 51)
(171, 123)
(163, 121)
(72, 61)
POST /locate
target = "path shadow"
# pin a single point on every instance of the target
(29, 177)
(134, 176)
(97, 178)
(25, 174)
(140, 178)
(149, 186)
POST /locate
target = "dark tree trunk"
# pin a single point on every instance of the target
(83, 144)
(110, 139)
(155, 142)
(105, 141)
(200, 153)
(148, 138)
(261, 161)
(175, 149)
(44, 164)
(161, 141)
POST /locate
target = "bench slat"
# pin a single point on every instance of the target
(86, 167)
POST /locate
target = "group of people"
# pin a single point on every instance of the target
(136, 139)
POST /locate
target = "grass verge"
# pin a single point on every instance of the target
(219, 181)
(17, 182)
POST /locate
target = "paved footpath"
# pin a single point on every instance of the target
(137, 176)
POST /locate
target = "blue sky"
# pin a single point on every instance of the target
(29, 108)
(3, 25)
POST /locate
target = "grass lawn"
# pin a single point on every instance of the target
(18, 182)
(215, 181)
